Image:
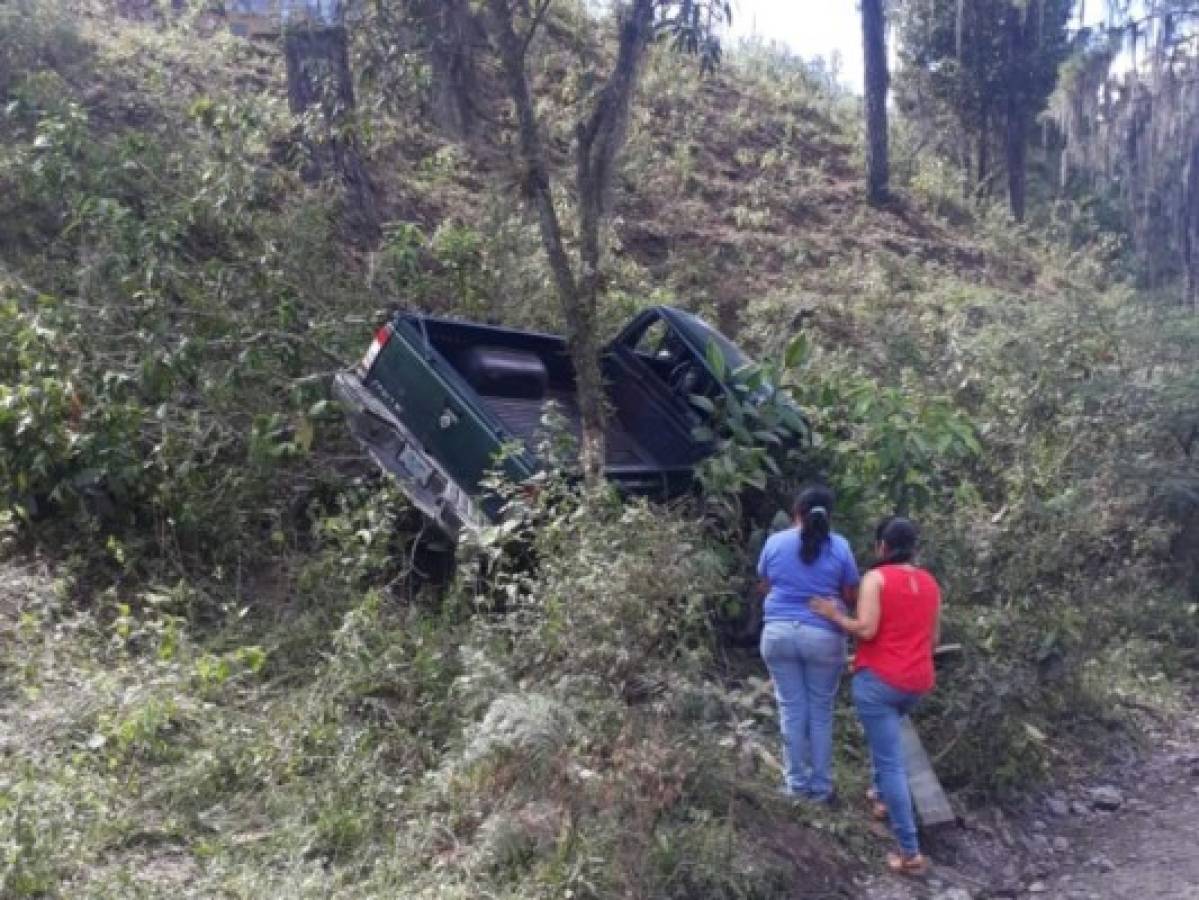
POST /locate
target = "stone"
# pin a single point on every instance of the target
(1056, 807)
(1061, 844)
(1038, 887)
(954, 893)
(1103, 864)
(1079, 808)
(1039, 825)
(1106, 798)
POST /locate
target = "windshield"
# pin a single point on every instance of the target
(733, 356)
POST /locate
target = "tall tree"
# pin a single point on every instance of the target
(316, 50)
(1127, 109)
(874, 48)
(988, 66)
(1018, 110)
(451, 35)
(599, 137)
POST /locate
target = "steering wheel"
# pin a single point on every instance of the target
(684, 378)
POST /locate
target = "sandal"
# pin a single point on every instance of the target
(878, 809)
(915, 865)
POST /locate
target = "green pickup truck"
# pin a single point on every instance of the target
(434, 401)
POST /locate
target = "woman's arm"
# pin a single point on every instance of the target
(864, 624)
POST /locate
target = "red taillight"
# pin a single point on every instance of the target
(382, 336)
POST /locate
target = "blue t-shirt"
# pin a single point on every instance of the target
(793, 583)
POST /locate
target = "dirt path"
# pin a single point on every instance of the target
(1134, 834)
(1149, 846)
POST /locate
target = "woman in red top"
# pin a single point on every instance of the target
(897, 625)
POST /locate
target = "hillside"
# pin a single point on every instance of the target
(224, 671)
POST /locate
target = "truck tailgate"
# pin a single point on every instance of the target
(397, 451)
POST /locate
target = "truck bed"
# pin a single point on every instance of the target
(523, 417)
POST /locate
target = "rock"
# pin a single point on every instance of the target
(1106, 798)
(954, 893)
(1079, 808)
(1038, 825)
(1059, 808)
(1102, 863)
(1038, 887)
(1060, 844)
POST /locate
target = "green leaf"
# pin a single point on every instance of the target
(797, 351)
(716, 361)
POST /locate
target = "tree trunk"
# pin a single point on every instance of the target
(1017, 119)
(452, 32)
(874, 47)
(1190, 230)
(959, 28)
(318, 69)
(318, 75)
(984, 148)
(598, 142)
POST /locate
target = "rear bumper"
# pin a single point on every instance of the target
(397, 451)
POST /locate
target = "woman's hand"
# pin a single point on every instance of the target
(826, 607)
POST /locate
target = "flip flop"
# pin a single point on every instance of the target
(914, 866)
(878, 809)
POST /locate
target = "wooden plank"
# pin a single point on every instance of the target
(928, 797)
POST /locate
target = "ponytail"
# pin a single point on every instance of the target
(900, 536)
(813, 507)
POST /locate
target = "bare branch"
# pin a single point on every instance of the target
(538, 15)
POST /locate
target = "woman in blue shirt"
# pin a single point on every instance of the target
(805, 652)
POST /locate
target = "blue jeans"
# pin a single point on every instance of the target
(805, 663)
(880, 708)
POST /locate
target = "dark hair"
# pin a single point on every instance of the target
(814, 505)
(900, 536)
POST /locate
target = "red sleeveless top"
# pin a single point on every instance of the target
(901, 652)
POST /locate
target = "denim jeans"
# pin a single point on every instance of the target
(805, 663)
(880, 709)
